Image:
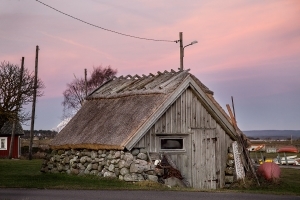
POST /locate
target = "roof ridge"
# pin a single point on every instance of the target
(143, 76)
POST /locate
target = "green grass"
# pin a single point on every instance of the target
(26, 174)
(289, 184)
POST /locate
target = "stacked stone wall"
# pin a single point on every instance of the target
(127, 166)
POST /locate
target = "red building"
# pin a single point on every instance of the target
(6, 139)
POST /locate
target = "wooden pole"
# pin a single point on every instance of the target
(233, 107)
(85, 80)
(34, 102)
(11, 146)
(181, 51)
(245, 151)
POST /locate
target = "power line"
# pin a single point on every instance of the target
(141, 38)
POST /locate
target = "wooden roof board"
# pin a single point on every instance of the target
(162, 83)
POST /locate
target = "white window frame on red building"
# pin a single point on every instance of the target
(3, 143)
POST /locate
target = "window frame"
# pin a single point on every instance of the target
(172, 137)
(5, 143)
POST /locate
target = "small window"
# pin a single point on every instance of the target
(3, 143)
(171, 143)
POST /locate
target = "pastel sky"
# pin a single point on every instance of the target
(247, 49)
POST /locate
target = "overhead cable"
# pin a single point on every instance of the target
(141, 38)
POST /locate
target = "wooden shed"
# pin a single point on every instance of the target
(6, 139)
(170, 112)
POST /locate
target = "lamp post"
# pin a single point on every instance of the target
(182, 49)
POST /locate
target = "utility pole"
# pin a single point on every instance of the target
(181, 51)
(34, 102)
(85, 80)
(15, 118)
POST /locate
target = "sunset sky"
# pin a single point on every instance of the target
(247, 49)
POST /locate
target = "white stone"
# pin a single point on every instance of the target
(142, 156)
(83, 159)
(89, 167)
(109, 174)
(136, 168)
(121, 163)
(117, 154)
(128, 157)
(93, 154)
(111, 167)
(128, 177)
(124, 171)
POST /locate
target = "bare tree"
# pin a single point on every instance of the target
(14, 94)
(75, 93)
(16, 90)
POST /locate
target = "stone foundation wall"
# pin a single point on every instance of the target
(127, 166)
(230, 170)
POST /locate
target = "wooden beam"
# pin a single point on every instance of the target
(232, 117)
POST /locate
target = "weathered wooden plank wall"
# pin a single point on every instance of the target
(187, 116)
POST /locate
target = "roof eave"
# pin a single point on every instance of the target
(88, 146)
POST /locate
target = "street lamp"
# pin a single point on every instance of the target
(182, 49)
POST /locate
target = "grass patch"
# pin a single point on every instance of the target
(289, 184)
(26, 174)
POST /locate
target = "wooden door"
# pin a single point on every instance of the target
(204, 143)
(180, 157)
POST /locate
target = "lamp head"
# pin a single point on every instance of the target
(194, 42)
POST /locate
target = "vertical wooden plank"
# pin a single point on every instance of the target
(202, 170)
(163, 123)
(169, 120)
(153, 140)
(194, 182)
(203, 117)
(207, 119)
(194, 110)
(208, 160)
(198, 114)
(193, 165)
(189, 160)
(188, 110)
(220, 156)
(174, 117)
(158, 126)
(178, 116)
(214, 158)
(147, 141)
(183, 112)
